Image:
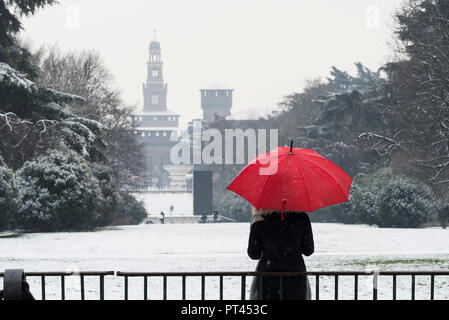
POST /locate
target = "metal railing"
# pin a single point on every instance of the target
(62, 276)
(283, 276)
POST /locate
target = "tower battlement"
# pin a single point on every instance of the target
(216, 100)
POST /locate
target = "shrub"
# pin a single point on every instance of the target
(132, 209)
(234, 207)
(365, 205)
(443, 212)
(339, 213)
(58, 193)
(8, 196)
(110, 201)
(365, 193)
(404, 203)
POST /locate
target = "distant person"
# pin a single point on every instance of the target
(162, 217)
(204, 217)
(172, 209)
(215, 216)
(279, 245)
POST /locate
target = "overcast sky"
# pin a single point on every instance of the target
(264, 49)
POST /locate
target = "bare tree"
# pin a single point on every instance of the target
(85, 74)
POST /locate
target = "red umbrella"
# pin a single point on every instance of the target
(292, 180)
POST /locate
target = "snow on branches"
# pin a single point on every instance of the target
(33, 119)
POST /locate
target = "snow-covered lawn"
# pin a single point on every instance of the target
(155, 202)
(222, 247)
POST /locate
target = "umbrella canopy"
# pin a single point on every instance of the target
(293, 180)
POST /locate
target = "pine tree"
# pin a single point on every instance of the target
(11, 52)
(351, 108)
(34, 118)
(421, 84)
(8, 196)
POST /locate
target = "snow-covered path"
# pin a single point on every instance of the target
(222, 247)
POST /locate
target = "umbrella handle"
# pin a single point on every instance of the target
(291, 147)
(284, 201)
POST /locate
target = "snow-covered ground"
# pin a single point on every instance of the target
(155, 202)
(222, 247)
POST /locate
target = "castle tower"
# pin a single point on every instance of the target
(155, 90)
(155, 123)
(216, 101)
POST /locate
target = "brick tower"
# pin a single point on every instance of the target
(155, 123)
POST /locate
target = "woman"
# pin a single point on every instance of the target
(279, 244)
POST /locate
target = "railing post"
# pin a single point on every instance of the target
(43, 287)
(336, 286)
(394, 287)
(165, 287)
(413, 287)
(145, 288)
(82, 287)
(317, 287)
(432, 287)
(356, 287)
(183, 287)
(62, 287)
(221, 287)
(375, 283)
(243, 288)
(126, 287)
(203, 287)
(101, 287)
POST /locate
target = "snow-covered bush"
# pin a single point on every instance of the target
(234, 207)
(8, 196)
(365, 194)
(132, 209)
(405, 203)
(443, 212)
(339, 213)
(58, 192)
(389, 200)
(110, 201)
(365, 205)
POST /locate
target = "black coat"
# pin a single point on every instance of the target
(279, 246)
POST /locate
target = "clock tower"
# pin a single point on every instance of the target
(154, 89)
(155, 124)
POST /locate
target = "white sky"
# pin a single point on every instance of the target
(264, 49)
